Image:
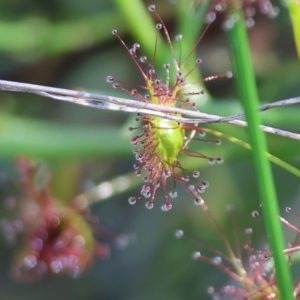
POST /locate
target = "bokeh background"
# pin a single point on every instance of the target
(68, 44)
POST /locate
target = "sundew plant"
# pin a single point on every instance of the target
(176, 82)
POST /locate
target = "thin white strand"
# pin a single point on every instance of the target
(121, 104)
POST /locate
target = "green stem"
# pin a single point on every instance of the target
(294, 10)
(245, 79)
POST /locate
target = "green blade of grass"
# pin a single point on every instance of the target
(294, 10)
(245, 79)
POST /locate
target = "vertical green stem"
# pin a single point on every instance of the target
(294, 10)
(245, 79)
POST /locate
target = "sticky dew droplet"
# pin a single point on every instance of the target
(196, 255)
(210, 290)
(173, 194)
(167, 173)
(210, 17)
(179, 233)
(220, 6)
(56, 266)
(149, 205)
(248, 231)
(217, 260)
(196, 174)
(229, 74)
(158, 26)
(178, 37)
(212, 161)
(151, 7)
(220, 160)
(132, 200)
(167, 206)
(201, 189)
(185, 178)
(109, 79)
(29, 261)
(199, 201)
(218, 142)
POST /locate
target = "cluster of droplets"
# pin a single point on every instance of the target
(64, 252)
(255, 275)
(49, 236)
(162, 92)
(250, 8)
(156, 157)
(146, 163)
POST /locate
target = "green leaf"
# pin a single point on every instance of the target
(245, 80)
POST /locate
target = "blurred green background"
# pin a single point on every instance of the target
(68, 43)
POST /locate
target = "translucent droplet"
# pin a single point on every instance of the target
(149, 205)
(199, 201)
(205, 184)
(132, 51)
(185, 178)
(136, 166)
(178, 37)
(138, 173)
(248, 231)
(37, 244)
(196, 255)
(210, 17)
(229, 74)
(210, 290)
(221, 6)
(196, 174)
(166, 207)
(230, 207)
(217, 260)
(220, 160)
(201, 189)
(147, 194)
(132, 200)
(228, 25)
(151, 7)
(179, 233)
(211, 161)
(173, 194)
(158, 26)
(136, 46)
(250, 22)
(167, 173)
(56, 266)
(109, 79)
(191, 187)
(29, 261)
(143, 59)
